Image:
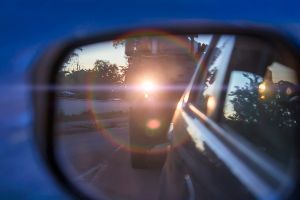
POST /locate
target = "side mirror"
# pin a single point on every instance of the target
(104, 103)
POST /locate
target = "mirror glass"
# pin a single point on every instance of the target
(115, 101)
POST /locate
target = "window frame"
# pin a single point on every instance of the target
(201, 75)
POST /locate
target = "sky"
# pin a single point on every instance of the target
(102, 51)
(203, 38)
(105, 51)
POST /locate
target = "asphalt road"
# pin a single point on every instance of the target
(99, 159)
(74, 106)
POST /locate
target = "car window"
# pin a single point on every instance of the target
(262, 105)
(211, 86)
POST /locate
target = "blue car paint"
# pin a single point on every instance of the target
(28, 27)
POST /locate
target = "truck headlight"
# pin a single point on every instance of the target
(148, 86)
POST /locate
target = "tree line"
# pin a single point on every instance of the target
(103, 72)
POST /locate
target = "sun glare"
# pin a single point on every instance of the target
(262, 87)
(148, 86)
(211, 105)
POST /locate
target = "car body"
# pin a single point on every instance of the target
(215, 156)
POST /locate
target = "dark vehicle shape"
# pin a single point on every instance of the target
(155, 93)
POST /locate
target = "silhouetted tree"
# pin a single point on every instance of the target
(250, 106)
(107, 73)
(71, 59)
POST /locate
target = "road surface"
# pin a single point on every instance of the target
(100, 159)
(74, 106)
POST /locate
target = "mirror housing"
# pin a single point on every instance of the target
(46, 69)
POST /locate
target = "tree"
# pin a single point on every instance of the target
(72, 60)
(268, 118)
(251, 106)
(107, 73)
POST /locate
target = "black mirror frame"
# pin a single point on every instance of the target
(45, 70)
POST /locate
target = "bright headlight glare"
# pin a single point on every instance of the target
(148, 86)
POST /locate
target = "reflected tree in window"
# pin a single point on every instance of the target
(261, 102)
(263, 111)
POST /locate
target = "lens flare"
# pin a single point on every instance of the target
(148, 86)
(100, 120)
(153, 124)
(262, 88)
(289, 91)
(211, 105)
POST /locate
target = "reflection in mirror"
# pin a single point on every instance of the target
(114, 115)
(114, 108)
(262, 99)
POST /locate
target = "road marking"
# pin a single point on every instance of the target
(110, 156)
(117, 149)
(100, 167)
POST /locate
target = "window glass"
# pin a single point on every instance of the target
(211, 85)
(263, 107)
